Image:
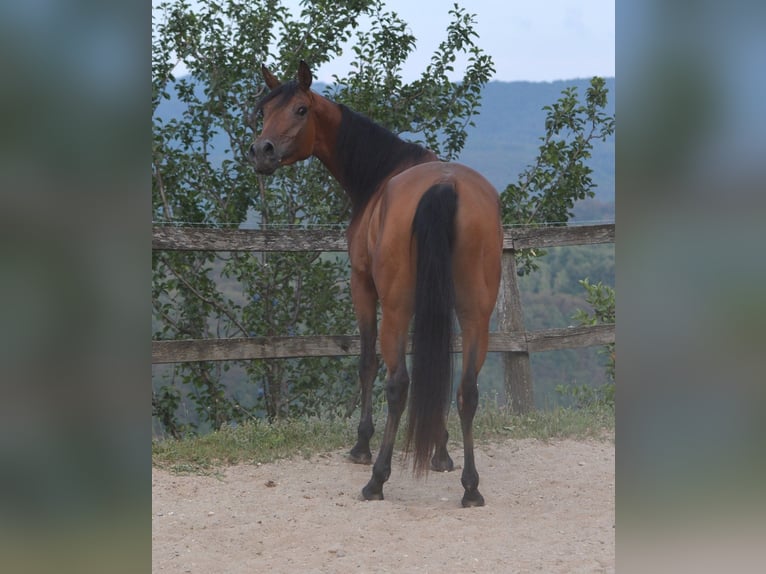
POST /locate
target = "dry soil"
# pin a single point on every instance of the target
(550, 508)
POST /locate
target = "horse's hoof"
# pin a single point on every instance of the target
(360, 457)
(369, 493)
(442, 465)
(471, 499)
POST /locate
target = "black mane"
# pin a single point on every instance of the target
(284, 92)
(367, 154)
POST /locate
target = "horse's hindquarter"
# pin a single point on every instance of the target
(478, 243)
(477, 198)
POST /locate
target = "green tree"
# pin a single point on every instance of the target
(601, 299)
(548, 189)
(201, 176)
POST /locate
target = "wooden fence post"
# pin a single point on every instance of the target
(516, 366)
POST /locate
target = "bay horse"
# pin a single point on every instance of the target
(425, 240)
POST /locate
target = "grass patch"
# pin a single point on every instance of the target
(261, 442)
(493, 423)
(252, 442)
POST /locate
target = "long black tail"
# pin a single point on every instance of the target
(434, 231)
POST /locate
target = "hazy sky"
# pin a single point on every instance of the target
(535, 40)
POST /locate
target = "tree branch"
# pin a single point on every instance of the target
(201, 297)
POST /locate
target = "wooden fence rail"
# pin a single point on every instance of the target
(513, 341)
(207, 239)
(245, 348)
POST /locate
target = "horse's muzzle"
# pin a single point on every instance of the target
(263, 154)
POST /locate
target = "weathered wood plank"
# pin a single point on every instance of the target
(545, 237)
(180, 351)
(570, 338)
(207, 239)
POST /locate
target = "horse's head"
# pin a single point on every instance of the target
(288, 123)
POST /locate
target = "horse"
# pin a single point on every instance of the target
(425, 241)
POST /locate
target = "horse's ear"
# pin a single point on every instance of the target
(269, 78)
(304, 75)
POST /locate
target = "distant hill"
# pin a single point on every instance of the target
(509, 127)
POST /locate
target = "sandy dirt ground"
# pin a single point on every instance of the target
(550, 509)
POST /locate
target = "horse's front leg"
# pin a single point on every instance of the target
(364, 298)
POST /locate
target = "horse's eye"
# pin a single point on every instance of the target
(302, 111)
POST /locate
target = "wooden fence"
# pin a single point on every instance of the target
(512, 340)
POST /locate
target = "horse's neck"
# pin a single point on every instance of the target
(329, 117)
(360, 154)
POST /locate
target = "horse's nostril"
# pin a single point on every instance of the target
(262, 149)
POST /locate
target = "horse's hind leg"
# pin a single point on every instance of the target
(467, 402)
(397, 386)
(393, 339)
(477, 279)
(441, 461)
